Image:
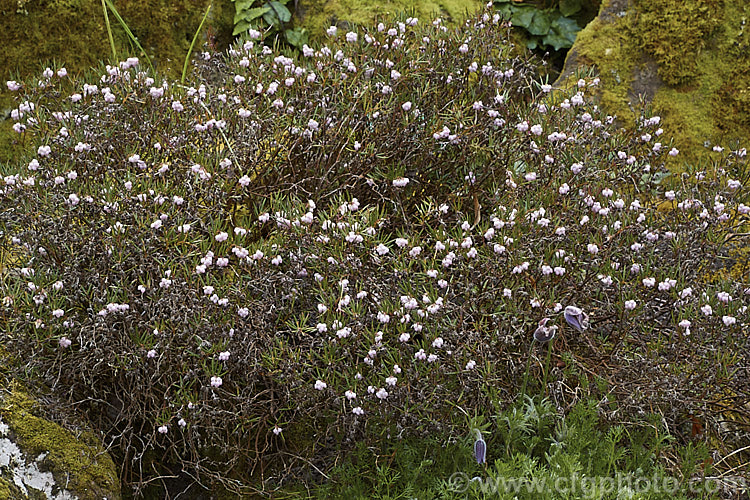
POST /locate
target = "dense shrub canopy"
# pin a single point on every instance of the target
(292, 252)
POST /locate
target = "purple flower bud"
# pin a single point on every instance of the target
(480, 448)
(544, 333)
(576, 318)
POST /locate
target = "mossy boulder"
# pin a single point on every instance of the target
(688, 59)
(41, 459)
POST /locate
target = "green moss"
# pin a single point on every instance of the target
(317, 15)
(608, 45)
(10, 148)
(714, 105)
(81, 462)
(700, 50)
(687, 119)
(674, 31)
(8, 490)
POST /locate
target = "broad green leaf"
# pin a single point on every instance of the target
(523, 16)
(567, 28)
(243, 5)
(556, 41)
(569, 7)
(540, 23)
(271, 18)
(532, 43)
(281, 11)
(241, 27)
(296, 37)
(567, 24)
(109, 32)
(505, 10)
(250, 15)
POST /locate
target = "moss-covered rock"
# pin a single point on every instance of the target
(41, 459)
(688, 59)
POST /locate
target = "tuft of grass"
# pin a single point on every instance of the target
(109, 31)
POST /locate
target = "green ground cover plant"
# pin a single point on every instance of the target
(533, 452)
(246, 275)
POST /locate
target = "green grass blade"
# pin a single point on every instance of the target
(192, 44)
(109, 32)
(129, 33)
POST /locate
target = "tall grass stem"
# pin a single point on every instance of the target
(109, 32)
(128, 32)
(192, 44)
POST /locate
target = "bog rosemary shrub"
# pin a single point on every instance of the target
(293, 253)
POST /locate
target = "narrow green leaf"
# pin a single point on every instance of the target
(109, 32)
(271, 18)
(519, 167)
(129, 33)
(192, 44)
